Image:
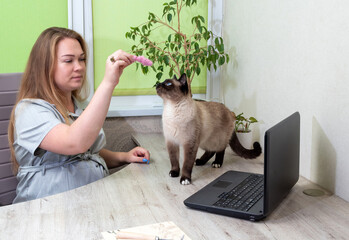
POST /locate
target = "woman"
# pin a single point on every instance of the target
(55, 145)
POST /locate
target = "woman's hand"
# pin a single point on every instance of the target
(115, 65)
(117, 159)
(138, 155)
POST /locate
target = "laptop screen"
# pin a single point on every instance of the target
(281, 156)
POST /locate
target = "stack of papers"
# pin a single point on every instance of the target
(164, 230)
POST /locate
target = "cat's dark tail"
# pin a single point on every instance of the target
(243, 152)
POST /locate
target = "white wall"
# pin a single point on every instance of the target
(293, 55)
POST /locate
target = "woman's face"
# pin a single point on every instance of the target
(70, 65)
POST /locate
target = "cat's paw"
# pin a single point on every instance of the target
(185, 181)
(216, 165)
(200, 162)
(174, 173)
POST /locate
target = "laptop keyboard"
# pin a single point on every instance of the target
(244, 195)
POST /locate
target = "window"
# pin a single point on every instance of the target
(21, 23)
(140, 103)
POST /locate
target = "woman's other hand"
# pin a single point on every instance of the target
(138, 155)
(117, 159)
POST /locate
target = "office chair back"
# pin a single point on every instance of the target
(9, 85)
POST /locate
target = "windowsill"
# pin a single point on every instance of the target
(130, 106)
(127, 106)
(131, 111)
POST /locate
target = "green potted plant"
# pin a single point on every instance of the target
(243, 131)
(178, 52)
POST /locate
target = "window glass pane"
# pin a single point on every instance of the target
(21, 23)
(111, 21)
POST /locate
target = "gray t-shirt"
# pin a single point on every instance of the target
(42, 173)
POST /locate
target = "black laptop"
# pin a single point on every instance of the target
(254, 196)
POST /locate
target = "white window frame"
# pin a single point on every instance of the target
(80, 20)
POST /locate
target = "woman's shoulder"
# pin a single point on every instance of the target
(34, 101)
(32, 105)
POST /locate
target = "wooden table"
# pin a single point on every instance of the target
(141, 194)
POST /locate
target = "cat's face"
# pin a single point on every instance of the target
(173, 89)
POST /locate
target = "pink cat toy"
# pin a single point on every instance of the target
(143, 60)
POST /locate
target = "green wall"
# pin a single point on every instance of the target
(21, 22)
(111, 20)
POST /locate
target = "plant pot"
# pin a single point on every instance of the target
(245, 138)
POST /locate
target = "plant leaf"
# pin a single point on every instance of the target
(253, 120)
(159, 75)
(166, 60)
(221, 60)
(169, 17)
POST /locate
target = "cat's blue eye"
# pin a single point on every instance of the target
(168, 84)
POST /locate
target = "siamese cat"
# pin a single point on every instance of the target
(192, 124)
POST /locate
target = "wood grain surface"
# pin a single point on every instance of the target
(141, 194)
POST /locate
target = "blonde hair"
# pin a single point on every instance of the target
(38, 77)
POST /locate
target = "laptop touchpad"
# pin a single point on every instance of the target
(221, 184)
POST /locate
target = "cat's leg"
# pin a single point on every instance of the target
(173, 152)
(190, 151)
(204, 158)
(218, 162)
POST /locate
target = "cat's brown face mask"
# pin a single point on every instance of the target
(173, 89)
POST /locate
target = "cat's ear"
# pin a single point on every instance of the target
(184, 84)
(175, 77)
(183, 79)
